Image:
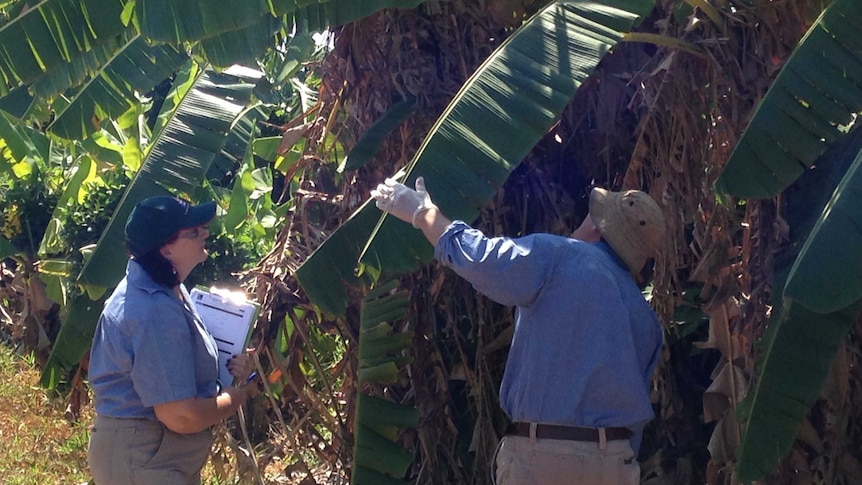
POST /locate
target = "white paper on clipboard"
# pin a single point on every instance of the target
(229, 320)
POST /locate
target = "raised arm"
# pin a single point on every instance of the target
(489, 264)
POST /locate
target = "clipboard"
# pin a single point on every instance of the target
(229, 317)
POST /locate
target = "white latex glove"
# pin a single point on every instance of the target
(403, 202)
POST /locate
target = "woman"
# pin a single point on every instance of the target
(153, 365)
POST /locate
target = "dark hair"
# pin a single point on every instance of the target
(158, 267)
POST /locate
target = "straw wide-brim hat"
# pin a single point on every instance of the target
(631, 222)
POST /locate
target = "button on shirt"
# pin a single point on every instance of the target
(586, 342)
(149, 349)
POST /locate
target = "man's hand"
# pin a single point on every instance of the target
(402, 202)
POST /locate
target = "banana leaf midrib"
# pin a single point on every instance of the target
(557, 26)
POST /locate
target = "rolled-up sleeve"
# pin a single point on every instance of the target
(501, 268)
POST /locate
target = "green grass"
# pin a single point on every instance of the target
(40, 446)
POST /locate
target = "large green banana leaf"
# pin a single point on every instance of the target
(177, 160)
(23, 144)
(246, 43)
(797, 354)
(134, 67)
(317, 15)
(826, 275)
(51, 33)
(78, 70)
(807, 108)
(797, 351)
(196, 130)
(499, 114)
(59, 44)
(177, 21)
(7, 250)
(75, 337)
(377, 456)
(254, 38)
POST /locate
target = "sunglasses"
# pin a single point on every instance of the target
(193, 233)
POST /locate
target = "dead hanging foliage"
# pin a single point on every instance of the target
(377, 62)
(28, 318)
(719, 253)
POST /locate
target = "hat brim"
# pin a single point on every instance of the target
(600, 201)
(199, 215)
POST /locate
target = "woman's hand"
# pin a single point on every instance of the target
(241, 365)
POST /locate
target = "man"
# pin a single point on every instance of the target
(586, 343)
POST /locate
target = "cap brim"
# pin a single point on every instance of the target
(199, 215)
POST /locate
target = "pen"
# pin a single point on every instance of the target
(250, 378)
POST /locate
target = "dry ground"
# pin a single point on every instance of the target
(37, 444)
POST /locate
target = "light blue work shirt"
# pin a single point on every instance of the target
(586, 342)
(149, 349)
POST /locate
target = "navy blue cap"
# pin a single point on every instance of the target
(155, 220)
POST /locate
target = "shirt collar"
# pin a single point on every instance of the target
(613, 254)
(137, 276)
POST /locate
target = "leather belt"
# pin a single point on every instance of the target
(570, 433)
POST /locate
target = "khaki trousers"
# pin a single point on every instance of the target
(144, 452)
(525, 461)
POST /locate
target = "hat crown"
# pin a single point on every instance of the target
(642, 218)
(631, 222)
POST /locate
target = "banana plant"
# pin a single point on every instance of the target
(809, 322)
(110, 91)
(805, 122)
(99, 53)
(809, 106)
(246, 43)
(499, 114)
(226, 32)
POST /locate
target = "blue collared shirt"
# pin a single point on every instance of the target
(149, 349)
(586, 342)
